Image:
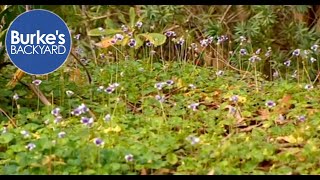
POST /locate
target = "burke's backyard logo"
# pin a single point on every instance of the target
(38, 42)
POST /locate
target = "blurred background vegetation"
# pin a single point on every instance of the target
(276, 30)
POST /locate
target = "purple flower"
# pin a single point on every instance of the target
(159, 85)
(37, 82)
(148, 43)
(258, 51)
(107, 117)
(204, 43)
(192, 86)
(314, 47)
(160, 98)
(193, 45)
(100, 88)
(242, 38)
(114, 85)
(61, 134)
(308, 87)
(287, 63)
(30, 146)
(109, 90)
(118, 37)
(25, 133)
(170, 33)
(98, 141)
(86, 120)
(128, 157)
(312, 60)
(15, 96)
(193, 106)
(219, 73)
(124, 28)
(270, 104)
(193, 140)
(132, 43)
(139, 24)
(83, 108)
(58, 119)
(76, 112)
(180, 41)
(275, 74)
(232, 110)
(77, 37)
(169, 82)
(69, 93)
(102, 56)
(296, 52)
(243, 52)
(254, 58)
(302, 118)
(234, 98)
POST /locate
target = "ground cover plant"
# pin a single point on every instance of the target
(168, 90)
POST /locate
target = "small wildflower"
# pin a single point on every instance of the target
(302, 118)
(160, 98)
(58, 119)
(61, 134)
(98, 141)
(287, 63)
(192, 86)
(79, 50)
(270, 104)
(113, 41)
(193, 45)
(243, 52)
(128, 157)
(124, 28)
(180, 41)
(242, 38)
(152, 52)
(159, 85)
(36, 82)
(275, 74)
(100, 29)
(69, 93)
(4, 130)
(193, 140)
(141, 69)
(210, 39)
(312, 60)
(148, 43)
(193, 106)
(219, 73)
(314, 47)
(30, 146)
(139, 24)
(258, 51)
(296, 52)
(107, 117)
(130, 34)
(234, 98)
(281, 117)
(46, 122)
(25, 133)
(55, 111)
(294, 75)
(232, 110)
(132, 43)
(15, 96)
(170, 33)
(170, 82)
(86, 121)
(114, 85)
(100, 88)
(102, 56)
(308, 86)
(118, 37)
(77, 37)
(204, 43)
(109, 90)
(83, 108)
(76, 112)
(254, 58)
(306, 52)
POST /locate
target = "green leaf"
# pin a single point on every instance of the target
(6, 138)
(156, 39)
(139, 42)
(132, 16)
(172, 158)
(110, 24)
(106, 32)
